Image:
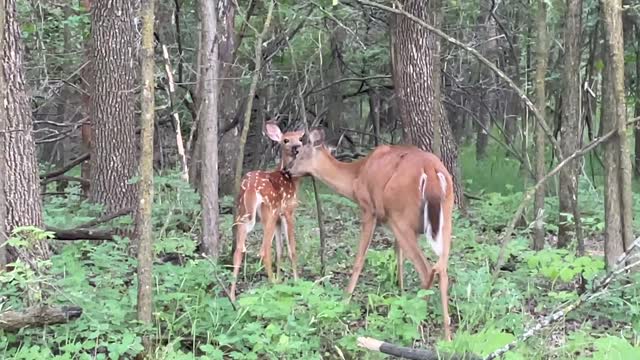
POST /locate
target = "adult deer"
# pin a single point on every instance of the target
(272, 197)
(402, 186)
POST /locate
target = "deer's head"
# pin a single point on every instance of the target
(290, 141)
(307, 158)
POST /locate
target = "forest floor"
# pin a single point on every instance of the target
(310, 319)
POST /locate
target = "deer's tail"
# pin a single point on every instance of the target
(432, 191)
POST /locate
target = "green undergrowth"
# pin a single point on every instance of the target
(311, 319)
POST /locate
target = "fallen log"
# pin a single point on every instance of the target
(38, 316)
(81, 234)
(410, 353)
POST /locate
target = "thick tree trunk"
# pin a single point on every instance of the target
(145, 200)
(570, 127)
(618, 196)
(114, 156)
(542, 56)
(22, 184)
(416, 51)
(208, 122)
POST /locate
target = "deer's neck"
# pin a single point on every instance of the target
(336, 174)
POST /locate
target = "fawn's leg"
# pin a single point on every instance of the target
(269, 227)
(241, 237)
(291, 241)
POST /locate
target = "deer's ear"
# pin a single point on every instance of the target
(316, 137)
(273, 131)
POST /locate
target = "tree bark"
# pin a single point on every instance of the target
(570, 127)
(618, 196)
(542, 56)
(3, 166)
(22, 185)
(145, 201)
(114, 156)
(208, 122)
(415, 51)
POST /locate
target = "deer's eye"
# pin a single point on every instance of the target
(286, 141)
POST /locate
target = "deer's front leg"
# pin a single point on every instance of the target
(368, 225)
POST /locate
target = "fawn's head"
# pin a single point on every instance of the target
(291, 141)
(307, 158)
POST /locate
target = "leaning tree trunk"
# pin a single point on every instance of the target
(416, 54)
(570, 125)
(542, 55)
(114, 156)
(208, 124)
(22, 184)
(618, 196)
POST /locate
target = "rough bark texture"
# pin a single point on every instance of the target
(542, 55)
(114, 155)
(22, 185)
(145, 201)
(209, 87)
(415, 50)
(570, 128)
(618, 207)
(3, 168)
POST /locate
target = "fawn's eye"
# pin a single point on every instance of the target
(286, 141)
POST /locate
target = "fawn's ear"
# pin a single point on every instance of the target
(273, 131)
(316, 137)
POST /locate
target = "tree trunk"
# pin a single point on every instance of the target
(22, 184)
(228, 102)
(114, 156)
(252, 92)
(145, 197)
(570, 127)
(636, 131)
(3, 167)
(542, 56)
(416, 51)
(335, 107)
(86, 129)
(208, 122)
(618, 196)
